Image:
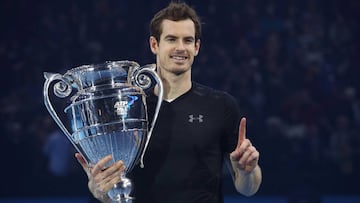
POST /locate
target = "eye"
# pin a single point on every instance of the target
(171, 39)
(189, 40)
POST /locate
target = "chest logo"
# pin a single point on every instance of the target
(199, 118)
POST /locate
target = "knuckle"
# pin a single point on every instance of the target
(102, 189)
(97, 179)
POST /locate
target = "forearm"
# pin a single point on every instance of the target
(247, 183)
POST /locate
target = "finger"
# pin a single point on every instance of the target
(242, 131)
(252, 161)
(82, 161)
(239, 151)
(112, 175)
(244, 160)
(254, 158)
(101, 165)
(235, 156)
(243, 147)
(116, 168)
(111, 182)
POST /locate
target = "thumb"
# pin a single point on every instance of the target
(82, 161)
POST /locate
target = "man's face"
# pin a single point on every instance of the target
(177, 47)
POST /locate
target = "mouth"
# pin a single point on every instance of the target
(179, 58)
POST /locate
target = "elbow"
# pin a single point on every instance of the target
(249, 192)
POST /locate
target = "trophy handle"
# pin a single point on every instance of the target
(142, 80)
(62, 89)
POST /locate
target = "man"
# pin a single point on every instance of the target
(196, 132)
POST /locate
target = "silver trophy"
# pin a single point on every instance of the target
(105, 113)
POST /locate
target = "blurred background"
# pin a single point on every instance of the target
(293, 65)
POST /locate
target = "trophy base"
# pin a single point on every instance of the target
(121, 191)
(123, 200)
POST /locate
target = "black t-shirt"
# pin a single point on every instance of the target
(191, 137)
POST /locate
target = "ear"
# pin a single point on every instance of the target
(197, 47)
(153, 44)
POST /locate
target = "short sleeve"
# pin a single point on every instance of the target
(231, 120)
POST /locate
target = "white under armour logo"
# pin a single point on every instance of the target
(192, 118)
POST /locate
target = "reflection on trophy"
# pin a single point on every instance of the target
(107, 113)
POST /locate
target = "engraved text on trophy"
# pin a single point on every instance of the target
(121, 108)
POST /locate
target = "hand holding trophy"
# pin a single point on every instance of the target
(107, 114)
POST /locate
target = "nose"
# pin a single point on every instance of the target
(180, 46)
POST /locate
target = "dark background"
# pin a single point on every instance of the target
(292, 65)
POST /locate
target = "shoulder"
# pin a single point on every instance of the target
(206, 91)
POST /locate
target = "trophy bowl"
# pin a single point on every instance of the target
(106, 113)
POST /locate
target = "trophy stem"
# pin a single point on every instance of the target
(121, 191)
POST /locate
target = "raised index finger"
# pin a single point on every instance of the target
(242, 131)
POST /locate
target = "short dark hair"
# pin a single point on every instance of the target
(175, 11)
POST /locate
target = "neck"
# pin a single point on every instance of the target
(175, 85)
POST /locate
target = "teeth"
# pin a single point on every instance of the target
(179, 57)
